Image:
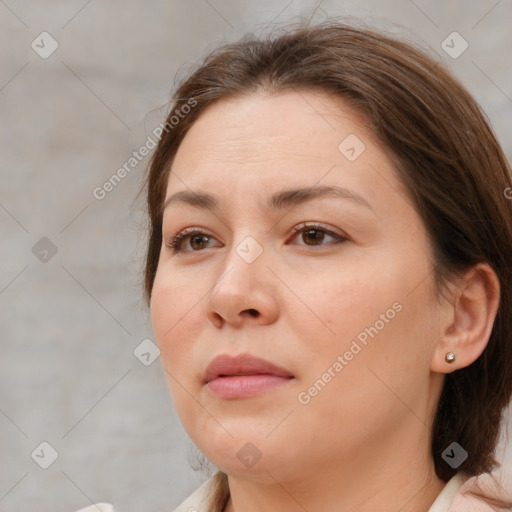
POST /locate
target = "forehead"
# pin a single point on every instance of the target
(260, 125)
(262, 141)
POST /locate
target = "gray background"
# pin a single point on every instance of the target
(70, 324)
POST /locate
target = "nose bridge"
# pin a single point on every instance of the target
(243, 265)
(242, 285)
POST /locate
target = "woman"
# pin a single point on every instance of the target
(328, 277)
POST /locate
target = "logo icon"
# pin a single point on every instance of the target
(146, 352)
(44, 45)
(44, 250)
(249, 455)
(454, 45)
(351, 147)
(249, 249)
(44, 455)
(454, 455)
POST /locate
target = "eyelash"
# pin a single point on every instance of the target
(176, 240)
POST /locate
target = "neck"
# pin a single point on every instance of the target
(392, 476)
(412, 496)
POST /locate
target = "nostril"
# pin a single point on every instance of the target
(253, 312)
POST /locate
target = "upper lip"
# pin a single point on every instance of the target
(243, 364)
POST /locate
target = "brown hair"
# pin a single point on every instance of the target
(446, 155)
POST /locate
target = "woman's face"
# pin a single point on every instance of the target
(344, 305)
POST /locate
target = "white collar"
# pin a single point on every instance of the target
(445, 497)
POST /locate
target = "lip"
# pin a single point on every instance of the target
(243, 376)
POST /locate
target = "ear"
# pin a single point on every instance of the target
(469, 319)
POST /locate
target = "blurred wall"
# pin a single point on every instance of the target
(72, 314)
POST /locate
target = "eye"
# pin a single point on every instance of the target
(316, 233)
(197, 239)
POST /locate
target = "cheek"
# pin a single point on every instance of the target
(382, 335)
(174, 309)
(377, 311)
(345, 301)
(175, 306)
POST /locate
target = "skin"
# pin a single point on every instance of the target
(362, 443)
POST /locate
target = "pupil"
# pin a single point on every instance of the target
(199, 239)
(319, 234)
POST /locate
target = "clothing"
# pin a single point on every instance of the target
(453, 498)
(446, 498)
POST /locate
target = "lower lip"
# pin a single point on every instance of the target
(243, 386)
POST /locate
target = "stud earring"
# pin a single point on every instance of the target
(449, 357)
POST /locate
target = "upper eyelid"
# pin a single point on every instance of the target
(315, 225)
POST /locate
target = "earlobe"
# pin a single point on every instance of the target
(470, 317)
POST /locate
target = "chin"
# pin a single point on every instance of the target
(248, 452)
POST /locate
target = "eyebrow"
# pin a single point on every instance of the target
(278, 201)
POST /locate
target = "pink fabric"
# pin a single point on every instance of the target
(465, 501)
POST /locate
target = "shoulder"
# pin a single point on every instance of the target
(471, 494)
(464, 494)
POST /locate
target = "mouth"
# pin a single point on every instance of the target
(243, 376)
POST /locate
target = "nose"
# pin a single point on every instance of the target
(244, 294)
